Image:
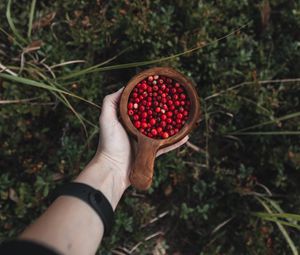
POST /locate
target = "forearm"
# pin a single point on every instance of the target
(71, 226)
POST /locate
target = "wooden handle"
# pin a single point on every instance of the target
(143, 167)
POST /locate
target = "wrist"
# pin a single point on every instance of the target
(103, 175)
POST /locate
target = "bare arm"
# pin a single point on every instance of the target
(69, 225)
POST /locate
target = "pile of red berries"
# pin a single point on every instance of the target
(158, 107)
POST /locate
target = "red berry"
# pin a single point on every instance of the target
(163, 123)
(163, 117)
(183, 96)
(144, 115)
(179, 116)
(150, 78)
(165, 135)
(169, 114)
(144, 125)
(144, 86)
(170, 102)
(137, 124)
(169, 120)
(157, 109)
(172, 107)
(152, 122)
(136, 117)
(130, 112)
(155, 88)
(130, 105)
(159, 130)
(154, 132)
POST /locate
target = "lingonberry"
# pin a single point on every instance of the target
(158, 107)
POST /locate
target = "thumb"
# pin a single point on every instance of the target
(110, 105)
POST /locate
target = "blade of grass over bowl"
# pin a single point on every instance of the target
(281, 228)
(31, 14)
(44, 86)
(11, 23)
(286, 117)
(149, 62)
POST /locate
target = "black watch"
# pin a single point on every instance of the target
(93, 198)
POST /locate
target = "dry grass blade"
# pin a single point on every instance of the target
(67, 63)
(18, 101)
(5, 69)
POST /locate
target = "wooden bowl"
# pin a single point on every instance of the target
(142, 171)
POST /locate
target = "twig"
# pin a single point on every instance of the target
(154, 235)
(221, 225)
(146, 239)
(49, 69)
(195, 164)
(195, 147)
(155, 219)
(5, 69)
(118, 252)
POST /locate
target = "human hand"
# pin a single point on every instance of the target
(114, 143)
(109, 170)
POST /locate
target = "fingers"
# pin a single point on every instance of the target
(110, 105)
(173, 147)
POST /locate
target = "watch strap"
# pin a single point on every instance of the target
(93, 197)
